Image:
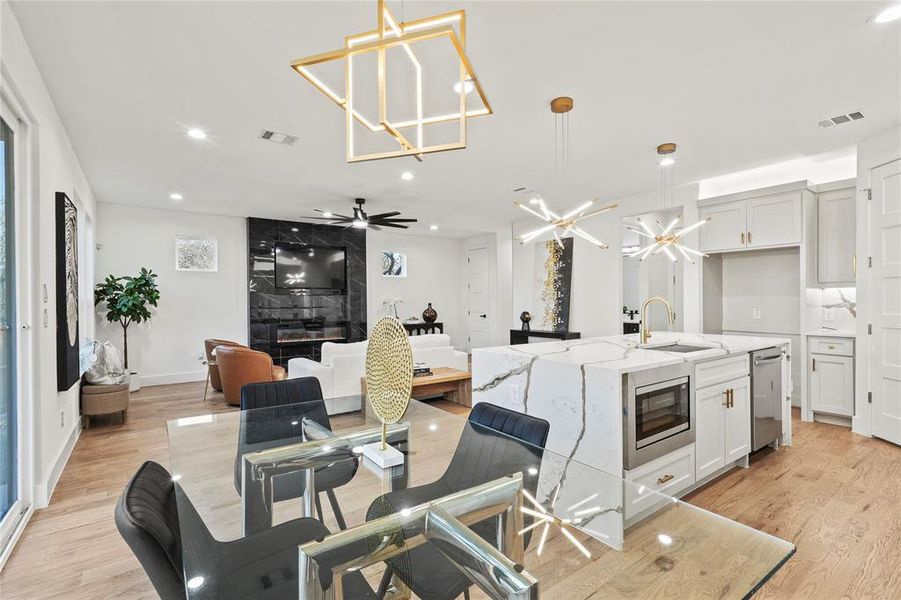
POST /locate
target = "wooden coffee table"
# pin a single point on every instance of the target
(455, 385)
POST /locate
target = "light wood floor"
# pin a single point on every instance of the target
(836, 495)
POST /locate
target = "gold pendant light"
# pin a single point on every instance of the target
(666, 237)
(560, 225)
(390, 33)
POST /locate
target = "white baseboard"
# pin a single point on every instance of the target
(44, 490)
(167, 378)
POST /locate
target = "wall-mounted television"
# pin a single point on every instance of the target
(301, 267)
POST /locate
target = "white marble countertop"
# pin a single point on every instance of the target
(621, 352)
(843, 333)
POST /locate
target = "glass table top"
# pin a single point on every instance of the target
(252, 479)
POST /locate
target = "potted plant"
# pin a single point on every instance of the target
(126, 300)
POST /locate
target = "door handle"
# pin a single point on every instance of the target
(664, 479)
(484, 316)
(749, 237)
(814, 365)
(742, 238)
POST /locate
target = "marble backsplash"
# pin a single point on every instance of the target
(838, 303)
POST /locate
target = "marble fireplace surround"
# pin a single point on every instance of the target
(270, 308)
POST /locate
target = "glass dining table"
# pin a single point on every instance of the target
(281, 503)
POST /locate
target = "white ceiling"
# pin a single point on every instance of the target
(736, 84)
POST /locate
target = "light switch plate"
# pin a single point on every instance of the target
(755, 313)
(828, 314)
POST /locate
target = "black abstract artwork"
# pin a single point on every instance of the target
(67, 367)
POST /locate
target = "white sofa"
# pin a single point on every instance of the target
(343, 365)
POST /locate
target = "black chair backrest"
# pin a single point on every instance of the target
(496, 442)
(147, 518)
(272, 394)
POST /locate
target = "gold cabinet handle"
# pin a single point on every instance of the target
(742, 238)
(664, 479)
(726, 403)
(749, 237)
(731, 398)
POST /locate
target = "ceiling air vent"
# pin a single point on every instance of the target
(278, 138)
(854, 116)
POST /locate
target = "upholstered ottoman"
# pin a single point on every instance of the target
(103, 400)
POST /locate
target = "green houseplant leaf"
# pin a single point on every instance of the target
(126, 300)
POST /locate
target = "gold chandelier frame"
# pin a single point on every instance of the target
(391, 33)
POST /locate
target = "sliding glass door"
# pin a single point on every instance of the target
(9, 455)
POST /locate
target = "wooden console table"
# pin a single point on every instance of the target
(423, 328)
(518, 336)
(453, 384)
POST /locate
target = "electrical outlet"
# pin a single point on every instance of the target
(755, 313)
(828, 314)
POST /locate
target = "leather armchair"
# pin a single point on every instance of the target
(208, 347)
(239, 366)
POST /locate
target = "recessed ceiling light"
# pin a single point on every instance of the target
(433, 227)
(295, 229)
(197, 133)
(667, 161)
(407, 176)
(892, 13)
(467, 86)
(327, 215)
(176, 196)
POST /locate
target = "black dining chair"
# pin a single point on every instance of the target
(165, 535)
(495, 443)
(288, 402)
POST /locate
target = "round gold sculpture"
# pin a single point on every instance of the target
(389, 371)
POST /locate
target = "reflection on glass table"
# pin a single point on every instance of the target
(471, 509)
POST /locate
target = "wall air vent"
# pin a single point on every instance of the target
(278, 138)
(838, 120)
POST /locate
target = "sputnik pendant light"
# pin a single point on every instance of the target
(666, 238)
(560, 225)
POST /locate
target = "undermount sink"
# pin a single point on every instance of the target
(684, 348)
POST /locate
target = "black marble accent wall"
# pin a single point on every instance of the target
(289, 323)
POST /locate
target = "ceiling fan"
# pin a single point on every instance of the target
(361, 220)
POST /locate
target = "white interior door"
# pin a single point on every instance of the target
(885, 294)
(479, 315)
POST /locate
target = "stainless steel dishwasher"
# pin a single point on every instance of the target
(766, 397)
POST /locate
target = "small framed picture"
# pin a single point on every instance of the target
(394, 264)
(196, 254)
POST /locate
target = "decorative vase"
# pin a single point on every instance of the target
(525, 317)
(429, 314)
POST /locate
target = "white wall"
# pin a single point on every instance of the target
(193, 306)
(52, 167)
(596, 302)
(434, 274)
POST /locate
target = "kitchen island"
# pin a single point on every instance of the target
(578, 387)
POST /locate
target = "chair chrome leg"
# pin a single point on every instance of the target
(383, 585)
(319, 508)
(206, 385)
(466, 594)
(333, 500)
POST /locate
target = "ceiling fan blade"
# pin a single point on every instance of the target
(399, 220)
(376, 227)
(385, 215)
(393, 225)
(327, 219)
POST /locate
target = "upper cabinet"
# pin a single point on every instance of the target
(745, 221)
(836, 237)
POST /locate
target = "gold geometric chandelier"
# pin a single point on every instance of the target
(666, 238)
(390, 33)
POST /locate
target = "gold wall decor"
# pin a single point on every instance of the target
(389, 372)
(391, 33)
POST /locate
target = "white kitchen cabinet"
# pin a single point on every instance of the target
(726, 228)
(723, 421)
(774, 220)
(737, 420)
(831, 375)
(761, 219)
(837, 237)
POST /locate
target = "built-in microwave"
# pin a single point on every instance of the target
(658, 413)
